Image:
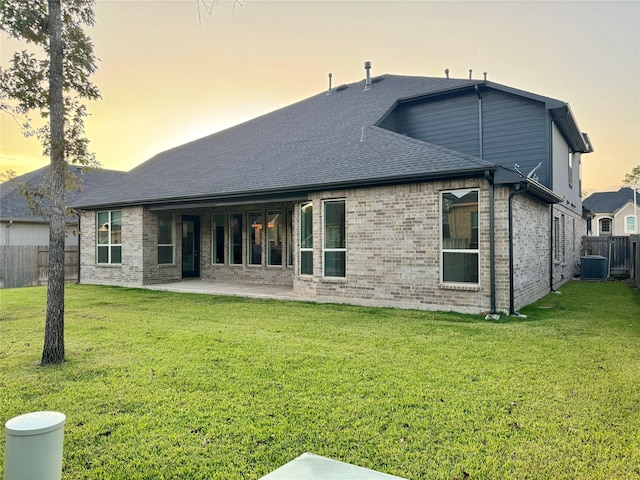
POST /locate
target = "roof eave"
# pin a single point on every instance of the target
(296, 193)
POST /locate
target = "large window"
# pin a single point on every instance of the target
(460, 248)
(290, 238)
(256, 225)
(235, 239)
(165, 237)
(276, 236)
(109, 237)
(217, 238)
(334, 242)
(306, 239)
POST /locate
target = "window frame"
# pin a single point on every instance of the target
(626, 224)
(306, 241)
(556, 239)
(289, 237)
(474, 226)
(165, 245)
(326, 250)
(214, 238)
(232, 246)
(251, 236)
(609, 224)
(109, 245)
(279, 229)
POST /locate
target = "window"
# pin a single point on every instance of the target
(275, 237)
(605, 226)
(563, 240)
(306, 239)
(570, 169)
(556, 239)
(109, 236)
(217, 238)
(165, 237)
(630, 224)
(460, 246)
(254, 234)
(235, 238)
(290, 238)
(334, 251)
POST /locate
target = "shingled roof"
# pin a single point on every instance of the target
(324, 142)
(14, 207)
(609, 202)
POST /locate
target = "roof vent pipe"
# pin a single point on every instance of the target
(329, 91)
(446, 72)
(485, 76)
(367, 68)
(470, 73)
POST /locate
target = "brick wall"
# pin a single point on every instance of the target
(571, 227)
(130, 271)
(531, 250)
(393, 250)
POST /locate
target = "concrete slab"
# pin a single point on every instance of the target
(314, 467)
(250, 290)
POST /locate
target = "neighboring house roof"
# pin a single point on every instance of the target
(609, 202)
(14, 207)
(328, 141)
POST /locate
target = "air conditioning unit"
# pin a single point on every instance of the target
(594, 267)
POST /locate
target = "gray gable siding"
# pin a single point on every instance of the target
(514, 129)
(451, 122)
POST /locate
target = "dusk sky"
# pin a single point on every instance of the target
(167, 78)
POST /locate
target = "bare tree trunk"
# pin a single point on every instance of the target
(53, 351)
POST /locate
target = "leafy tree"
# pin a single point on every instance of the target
(54, 84)
(633, 178)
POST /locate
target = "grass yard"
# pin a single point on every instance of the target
(162, 385)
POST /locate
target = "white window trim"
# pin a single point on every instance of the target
(172, 244)
(302, 205)
(109, 245)
(626, 225)
(454, 250)
(324, 250)
(267, 247)
(289, 237)
(600, 231)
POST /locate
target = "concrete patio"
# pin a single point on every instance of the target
(250, 290)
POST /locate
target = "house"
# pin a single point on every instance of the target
(612, 213)
(398, 191)
(20, 226)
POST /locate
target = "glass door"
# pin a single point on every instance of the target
(190, 246)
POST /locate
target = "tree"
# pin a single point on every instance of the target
(633, 178)
(54, 85)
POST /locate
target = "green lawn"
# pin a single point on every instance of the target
(163, 385)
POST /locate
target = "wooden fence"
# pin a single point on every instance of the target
(618, 249)
(635, 258)
(26, 265)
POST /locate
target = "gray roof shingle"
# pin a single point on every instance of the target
(609, 202)
(14, 207)
(325, 140)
